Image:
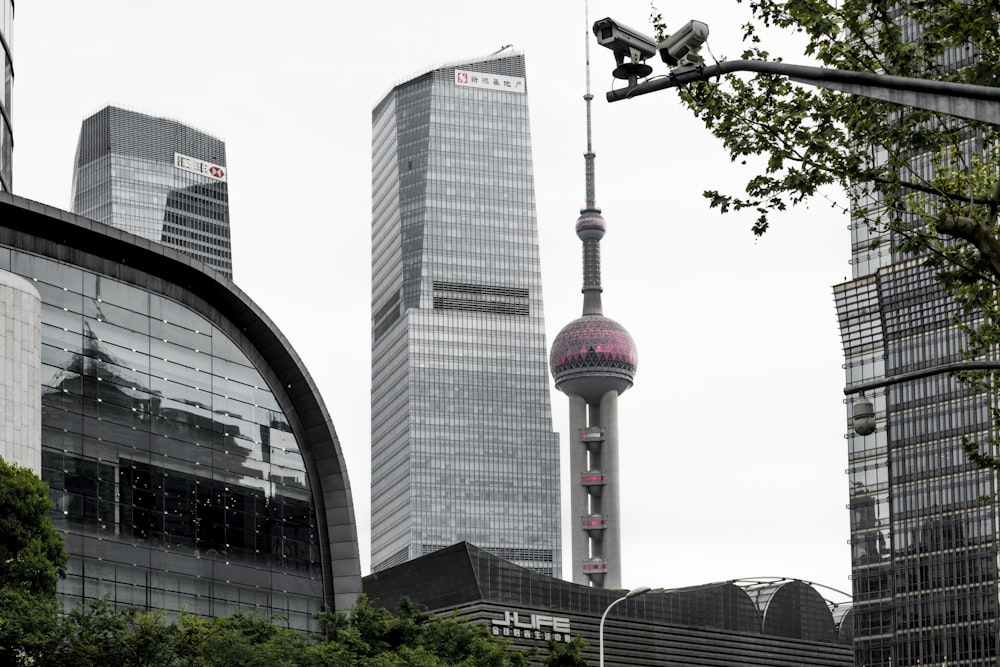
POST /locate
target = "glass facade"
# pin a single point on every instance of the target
(183, 474)
(923, 527)
(158, 179)
(462, 440)
(6, 110)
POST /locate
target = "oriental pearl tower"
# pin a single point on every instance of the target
(593, 360)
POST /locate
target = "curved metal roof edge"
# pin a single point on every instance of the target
(342, 581)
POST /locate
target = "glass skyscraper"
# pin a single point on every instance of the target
(6, 133)
(924, 520)
(462, 440)
(158, 179)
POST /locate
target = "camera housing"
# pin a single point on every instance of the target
(682, 47)
(628, 43)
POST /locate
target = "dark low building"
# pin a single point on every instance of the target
(761, 623)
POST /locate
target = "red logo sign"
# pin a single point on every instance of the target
(218, 172)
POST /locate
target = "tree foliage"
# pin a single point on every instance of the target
(32, 559)
(101, 634)
(34, 632)
(813, 138)
(926, 185)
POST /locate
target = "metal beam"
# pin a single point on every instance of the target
(981, 103)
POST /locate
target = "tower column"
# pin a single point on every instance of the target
(578, 466)
(20, 359)
(611, 497)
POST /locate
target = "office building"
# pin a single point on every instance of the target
(593, 360)
(6, 127)
(155, 178)
(462, 440)
(924, 519)
(191, 461)
(768, 622)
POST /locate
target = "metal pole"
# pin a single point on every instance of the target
(954, 367)
(957, 99)
(600, 632)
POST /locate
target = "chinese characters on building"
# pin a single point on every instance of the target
(511, 84)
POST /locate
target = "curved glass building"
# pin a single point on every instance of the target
(6, 131)
(191, 461)
(462, 440)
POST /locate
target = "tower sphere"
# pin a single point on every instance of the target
(590, 226)
(591, 356)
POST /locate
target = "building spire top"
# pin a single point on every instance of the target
(589, 156)
(590, 225)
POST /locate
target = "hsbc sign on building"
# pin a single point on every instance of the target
(195, 166)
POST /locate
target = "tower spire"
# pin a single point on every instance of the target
(590, 225)
(589, 155)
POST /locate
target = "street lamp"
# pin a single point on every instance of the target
(955, 99)
(600, 635)
(680, 50)
(864, 411)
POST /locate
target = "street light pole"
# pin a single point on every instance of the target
(864, 410)
(956, 99)
(600, 635)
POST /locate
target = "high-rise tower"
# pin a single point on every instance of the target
(924, 524)
(6, 133)
(156, 178)
(462, 440)
(593, 360)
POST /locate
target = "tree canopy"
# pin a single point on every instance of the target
(101, 634)
(878, 152)
(32, 559)
(922, 185)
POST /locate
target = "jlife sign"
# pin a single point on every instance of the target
(201, 167)
(532, 626)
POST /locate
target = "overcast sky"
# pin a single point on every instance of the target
(732, 439)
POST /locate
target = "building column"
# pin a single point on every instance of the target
(20, 373)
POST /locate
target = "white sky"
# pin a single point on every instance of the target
(733, 450)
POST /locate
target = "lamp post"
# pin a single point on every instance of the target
(956, 99)
(980, 103)
(600, 635)
(680, 51)
(864, 410)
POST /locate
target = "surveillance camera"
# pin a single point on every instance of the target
(681, 48)
(626, 43)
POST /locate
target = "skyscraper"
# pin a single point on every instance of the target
(593, 361)
(924, 535)
(462, 440)
(158, 179)
(6, 133)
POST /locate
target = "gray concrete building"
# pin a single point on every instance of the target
(20, 372)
